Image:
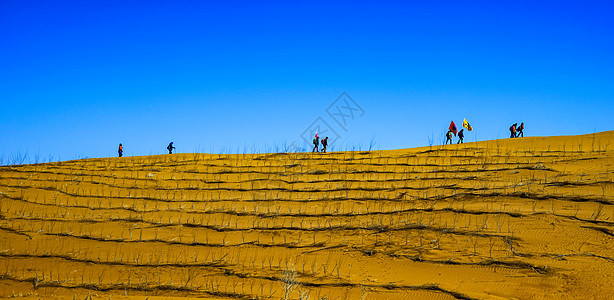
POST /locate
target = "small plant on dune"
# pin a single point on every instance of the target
(303, 294)
(288, 281)
(597, 212)
(475, 244)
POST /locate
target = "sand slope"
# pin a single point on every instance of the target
(525, 218)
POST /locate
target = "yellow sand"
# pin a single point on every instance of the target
(526, 218)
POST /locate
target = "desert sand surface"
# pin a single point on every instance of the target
(526, 218)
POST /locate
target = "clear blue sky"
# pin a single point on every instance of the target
(79, 77)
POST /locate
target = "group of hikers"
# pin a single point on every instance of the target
(316, 143)
(170, 148)
(461, 133)
(515, 131)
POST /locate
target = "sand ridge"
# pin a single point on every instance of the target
(524, 218)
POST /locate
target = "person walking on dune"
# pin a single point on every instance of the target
(316, 143)
(461, 135)
(449, 137)
(324, 144)
(520, 130)
(120, 150)
(170, 148)
(513, 130)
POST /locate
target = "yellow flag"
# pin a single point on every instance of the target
(466, 125)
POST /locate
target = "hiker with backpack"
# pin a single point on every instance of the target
(324, 144)
(120, 150)
(461, 135)
(316, 143)
(449, 137)
(520, 130)
(170, 148)
(513, 130)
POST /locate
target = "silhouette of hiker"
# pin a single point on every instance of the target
(519, 130)
(324, 144)
(513, 130)
(316, 143)
(170, 148)
(461, 135)
(449, 137)
(120, 150)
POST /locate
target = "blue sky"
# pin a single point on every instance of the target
(79, 77)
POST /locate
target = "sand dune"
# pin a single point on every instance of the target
(524, 218)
